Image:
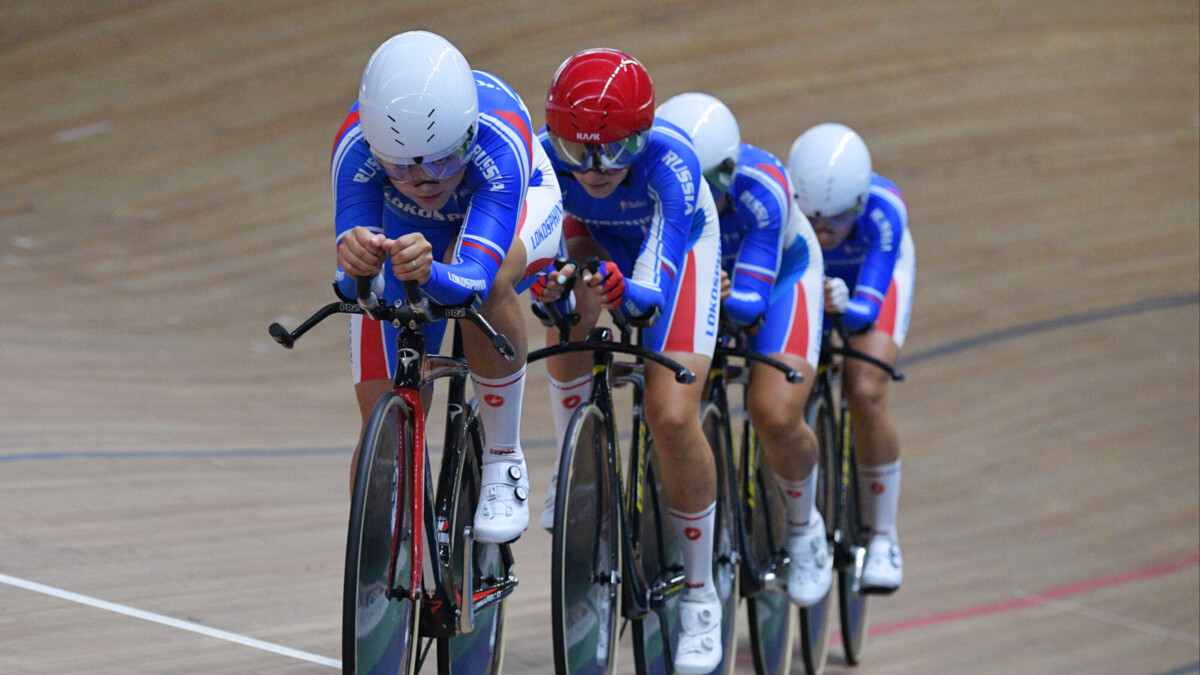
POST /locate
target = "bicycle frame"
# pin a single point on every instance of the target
(449, 605)
(640, 596)
(721, 374)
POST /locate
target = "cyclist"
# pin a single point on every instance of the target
(772, 262)
(634, 197)
(862, 223)
(436, 179)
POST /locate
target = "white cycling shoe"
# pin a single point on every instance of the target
(503, 511)
(883, 569)
(810, 573)
(699, 648)
(547, 520)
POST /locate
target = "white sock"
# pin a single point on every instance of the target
(695, 532)
(879, 496)
(800, 497)
(564, 398)
(500, 412)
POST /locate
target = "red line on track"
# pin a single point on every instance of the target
(1036, 599)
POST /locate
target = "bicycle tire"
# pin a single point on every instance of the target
(816, 620)
(852, 604)
(586, 553)
(768, 608)
(481, 651)
(726, 536)
(656, 634)
(379, 611)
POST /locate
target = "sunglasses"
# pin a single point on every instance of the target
(602, 157)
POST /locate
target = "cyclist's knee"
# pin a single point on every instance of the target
(671, 421)
(867, 398)
(773, 417)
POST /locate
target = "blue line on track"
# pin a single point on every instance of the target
(1183, 670)
(160, 454)
(1139, 307)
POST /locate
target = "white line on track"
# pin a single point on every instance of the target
(168, 621)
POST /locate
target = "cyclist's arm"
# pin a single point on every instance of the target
(499, 177)
(478, 252)
(757, 264)
(674, 190)
(357, 189)
(875, 276)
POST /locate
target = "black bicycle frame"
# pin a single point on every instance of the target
(721, 373)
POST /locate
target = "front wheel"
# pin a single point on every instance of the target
(764, 522)
(585, 567)
(381, 592)
(816, 620)
(726, 536)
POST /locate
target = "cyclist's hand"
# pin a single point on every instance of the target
(607, 284)
(837, 296)
(412, 257)
(549, 286)
(360, 253)
(726, 285)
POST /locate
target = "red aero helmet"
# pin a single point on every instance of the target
(599, 96)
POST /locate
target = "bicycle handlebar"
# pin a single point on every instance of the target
(418, 310)
(849, 352)
(682, 374)
(740, 336)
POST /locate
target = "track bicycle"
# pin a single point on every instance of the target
(763, 523)
(838, 500)
(615, 559)
(397, 602)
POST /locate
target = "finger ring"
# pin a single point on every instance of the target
(414, 264)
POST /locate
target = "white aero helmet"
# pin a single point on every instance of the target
(418, 106)
(714, 131)
(831, 171)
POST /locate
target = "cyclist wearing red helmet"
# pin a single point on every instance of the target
(635, 198)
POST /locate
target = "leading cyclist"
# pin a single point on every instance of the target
(862, 223)
(436, 179)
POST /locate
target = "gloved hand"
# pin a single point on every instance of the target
(837, 296)
(608, 283)
(551, 283)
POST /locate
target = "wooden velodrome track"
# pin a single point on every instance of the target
(164, 196)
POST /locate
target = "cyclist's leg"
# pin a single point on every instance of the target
(367, 393)
(791, 333)
(569, 375)
(503, 511)
(566, 369)
(876, 440)
(687, 334)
